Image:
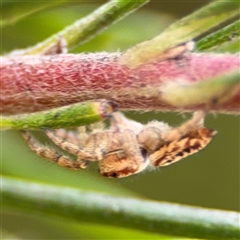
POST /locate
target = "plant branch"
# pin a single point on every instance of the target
(186, 29)
(163, 218)
(86, 28)
(35, 83)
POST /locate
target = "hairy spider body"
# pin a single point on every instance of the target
(174, 151)
(127, 147)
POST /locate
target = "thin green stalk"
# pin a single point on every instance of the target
(86, 28)
(163, 218)
(74, 115)
(14, 11)
(184, 30)
(230, 47)
(224, 36)
(6, 235)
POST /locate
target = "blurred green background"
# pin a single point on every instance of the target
(209, 178)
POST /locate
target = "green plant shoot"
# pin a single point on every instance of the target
(74, 115)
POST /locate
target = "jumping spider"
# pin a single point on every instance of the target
(126, 147)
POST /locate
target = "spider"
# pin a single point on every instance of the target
(126, 147)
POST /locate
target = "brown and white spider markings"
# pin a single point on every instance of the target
(126, 147)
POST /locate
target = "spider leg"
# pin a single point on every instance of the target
(186, 128)
(83, 156)
(97, 145)
(82, 135)
(93, 149)
(119, 121)
(50, 154)
(62, 143)
(70, 136)
(79, 143)
(96, 127)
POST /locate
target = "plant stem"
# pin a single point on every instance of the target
(74, 115)
(184, 30)
(36, 83)
(163, 218)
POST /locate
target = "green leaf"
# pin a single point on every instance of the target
(226, 39)
(75, 115)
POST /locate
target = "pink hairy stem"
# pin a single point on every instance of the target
(35, 83)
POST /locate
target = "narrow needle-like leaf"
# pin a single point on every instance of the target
(225, 37)
(74, 115)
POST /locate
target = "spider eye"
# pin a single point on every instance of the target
(114, 175)
(144, 153)
(108, 174)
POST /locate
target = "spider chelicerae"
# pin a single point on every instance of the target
(127, 147)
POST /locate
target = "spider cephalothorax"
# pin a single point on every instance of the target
(126, 147)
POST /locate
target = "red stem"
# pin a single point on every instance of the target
(34, 83)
